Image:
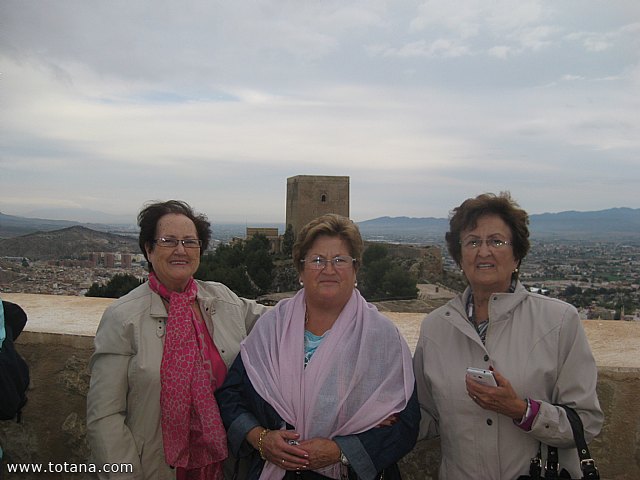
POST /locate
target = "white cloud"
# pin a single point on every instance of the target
(438, 48)
(537, 38)
(468, 19)
(602, 41)
(109, 104)
(502, 51)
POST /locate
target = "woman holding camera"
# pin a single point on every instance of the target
(534, 345)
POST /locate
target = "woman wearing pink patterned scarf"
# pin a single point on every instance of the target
(323, 387)
(160, 352)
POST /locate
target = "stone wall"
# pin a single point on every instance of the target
(53, 426)
(54, 419)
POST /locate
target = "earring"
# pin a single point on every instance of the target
(462, 271)
(516, 270)
(301, 283)
(355, 284)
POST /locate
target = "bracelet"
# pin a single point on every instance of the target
(263, 434)
(533, 407)
(527, 412)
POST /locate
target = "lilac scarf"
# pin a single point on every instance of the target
(360, 374)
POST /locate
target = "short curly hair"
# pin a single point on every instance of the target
(466, 217)
(332, 225)
(150, 215)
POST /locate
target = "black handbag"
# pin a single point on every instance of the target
(14, 371)
(311, 475)
(550, 472)
(304, 475)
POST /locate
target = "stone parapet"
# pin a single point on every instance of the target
(58, 343)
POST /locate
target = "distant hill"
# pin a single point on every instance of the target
(14, 226)
(610, 224)
(602, 223)
(71, 242)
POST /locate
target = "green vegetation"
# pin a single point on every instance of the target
(287, 241)
(380, 278)
(250, 270)
(119, 285)
(244, 267)
(611, 298)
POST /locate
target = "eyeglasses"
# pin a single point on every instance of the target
(492, 243)
(319, 263)
(173, 242)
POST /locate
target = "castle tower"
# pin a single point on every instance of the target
(309, 196)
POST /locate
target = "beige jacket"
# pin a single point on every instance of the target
(539, 345)
(123, 403)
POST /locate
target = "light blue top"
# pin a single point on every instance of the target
(311, 343)
(3, 333)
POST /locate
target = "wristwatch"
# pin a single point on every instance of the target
(343, 459)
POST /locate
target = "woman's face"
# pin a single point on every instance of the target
(487, 268)
(330, 285)
(174, 266)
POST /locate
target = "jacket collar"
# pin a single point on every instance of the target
(157, 309)
(500, 308)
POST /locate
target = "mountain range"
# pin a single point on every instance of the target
(603, 225)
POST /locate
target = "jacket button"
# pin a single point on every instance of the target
(486, 358)
(489, 422)
(447, 313)
(495, 299)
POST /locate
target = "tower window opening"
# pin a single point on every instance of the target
(323, 198)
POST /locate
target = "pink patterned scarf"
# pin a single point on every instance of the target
(193, 435)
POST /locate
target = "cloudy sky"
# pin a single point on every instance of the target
(105, 105)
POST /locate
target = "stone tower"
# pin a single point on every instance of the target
(309, 196)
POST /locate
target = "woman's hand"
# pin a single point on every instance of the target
(501, 399)
(390, 421)
(280, 447)
(322, 452)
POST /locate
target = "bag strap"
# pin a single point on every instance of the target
(552, 464)
(587, 464)
(535, 467)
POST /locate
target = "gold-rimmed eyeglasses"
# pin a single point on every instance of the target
(319, 263)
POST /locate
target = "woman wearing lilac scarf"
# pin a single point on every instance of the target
(323, 386)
